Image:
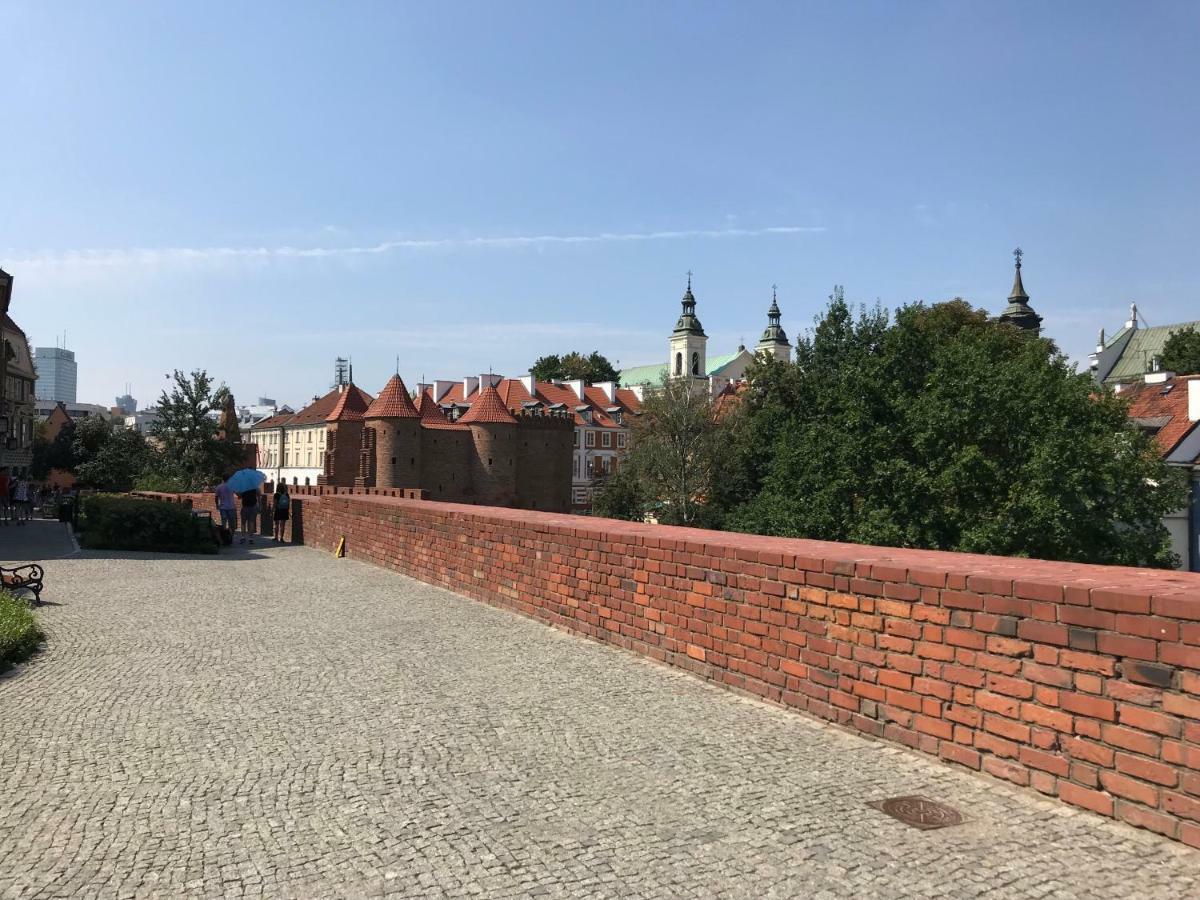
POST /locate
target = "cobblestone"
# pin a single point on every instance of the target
(274, 722)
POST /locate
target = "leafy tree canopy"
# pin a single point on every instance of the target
(593, 368)
(104, 456)
(942, 429)
(190, 451)
(1181, 353)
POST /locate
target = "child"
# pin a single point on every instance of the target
(283, 504)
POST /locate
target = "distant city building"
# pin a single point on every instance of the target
(142, 420)
(58, 374)
(1168, 407)
(687, 353)
(17, 388)
(126, 404)
(1133, 351)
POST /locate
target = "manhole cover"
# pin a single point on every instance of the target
(919, 812)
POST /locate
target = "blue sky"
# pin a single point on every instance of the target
(257, 188)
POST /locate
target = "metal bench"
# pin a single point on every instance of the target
(24, 578)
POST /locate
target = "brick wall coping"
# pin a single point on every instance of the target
(1165, 592)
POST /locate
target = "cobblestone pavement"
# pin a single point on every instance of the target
(275, 722)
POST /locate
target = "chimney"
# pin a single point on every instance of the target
(441, 389)
(527, 380)
(1194, 399)
(490, 380)
(470, 383)
(610, 390)
(577, 386)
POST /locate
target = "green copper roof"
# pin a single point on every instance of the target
(1144, 345)
(715, 363)
(643, 375)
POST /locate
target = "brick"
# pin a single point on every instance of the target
(1012, 687)
(1179, 805)
(1042, 632)
(1050, 718)
(964, 756)
(1008, 771)
(1094, 707)
(1149, 720)
(1120, 601)
(1179, 705)
(1129, 788)
(1127, 645)
(1046, 762)
(1087, 799)
(1146, 818)
(1129, 739)
(1088, 662)
(1153, 627)
(1051, 675)
(1008, 646)
(1006, 728)
(998, 703)
(1147, 769)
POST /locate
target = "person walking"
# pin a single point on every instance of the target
(20, 497)
(5, 488)
(283, 503)
(249, 500)
(227, 506)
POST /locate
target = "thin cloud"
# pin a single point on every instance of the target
(141, 257)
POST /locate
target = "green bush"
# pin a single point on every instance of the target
(19, 630)
(116, 522)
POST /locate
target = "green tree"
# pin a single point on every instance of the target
(1181, 353)
(190, 452)
(674, 459)
(104, 456)
(593, 368)
(52, 454)
(944, 430)
(620, 496)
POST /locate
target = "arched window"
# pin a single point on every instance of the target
(695, 363)
(678, 363)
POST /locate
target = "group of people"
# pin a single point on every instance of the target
(18, 496)
(252, 501)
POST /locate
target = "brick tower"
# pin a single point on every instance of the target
(494, 462)
(343, 437)
(391, 440)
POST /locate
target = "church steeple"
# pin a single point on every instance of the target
(774, 340)
(1018, 312)
(688, 323)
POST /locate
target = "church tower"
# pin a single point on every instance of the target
(774, 340)
(1018, 312)
(688, 341)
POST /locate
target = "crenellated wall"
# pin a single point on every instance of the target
(1081, 682)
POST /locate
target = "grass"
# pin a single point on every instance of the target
(20, 633)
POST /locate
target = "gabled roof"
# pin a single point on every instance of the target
(1144, 345)
(1163, 408)
(488, 408)
(317, 412)
(515, 397)
(393, 402)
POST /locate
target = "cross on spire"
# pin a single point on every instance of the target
(774, 288)
(1017, 254)
(689, 275)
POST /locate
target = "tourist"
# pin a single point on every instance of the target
(283, 503)
(249, 515)
(226, 506)
(20, 500)
(5, 487)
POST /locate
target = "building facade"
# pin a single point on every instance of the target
(291, 446)
(17, 388)
(1133, 351)
(58, 375)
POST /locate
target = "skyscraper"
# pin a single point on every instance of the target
(57, 374)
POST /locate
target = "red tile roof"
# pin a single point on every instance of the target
(1150, 404)
(433, 417)
(316, 412)
(488, 408)
(393, 402)
(513, 395)
(350, 406)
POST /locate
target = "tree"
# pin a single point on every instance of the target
(52, 454)
(675, 454)
(941, 429)
(190, 451)
(593, 368)
(103, 456)
(620, 496)
(1181, 353)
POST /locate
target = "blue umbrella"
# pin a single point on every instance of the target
(245, 480)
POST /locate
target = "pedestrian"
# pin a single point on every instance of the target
(226, 506)
(283, 503)
(5, 487)
(249, 515)
(20, 499)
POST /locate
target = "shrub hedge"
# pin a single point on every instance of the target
(19, 630)
(117, 522)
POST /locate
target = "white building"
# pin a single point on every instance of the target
(291, 446)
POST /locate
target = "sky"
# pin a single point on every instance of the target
(256, 189)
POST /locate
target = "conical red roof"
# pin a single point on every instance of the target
(350, 406)
(488, 408)
(432, 415)
(393, 402)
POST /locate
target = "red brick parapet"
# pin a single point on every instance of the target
(1082, 682)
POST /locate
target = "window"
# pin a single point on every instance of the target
(695, 363)
(576, 437)
(589, 439)
(621, 441)
(605, 439)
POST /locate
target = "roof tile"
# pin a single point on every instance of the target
(393, 402)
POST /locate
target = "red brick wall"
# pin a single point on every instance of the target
(1082, 682)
